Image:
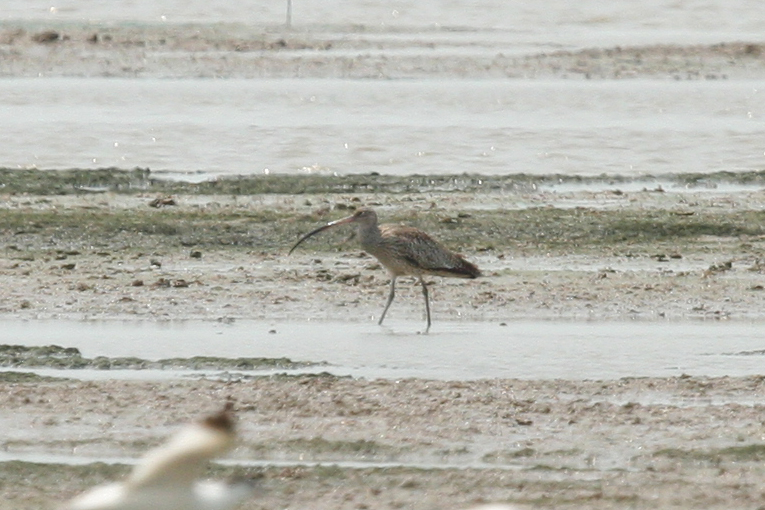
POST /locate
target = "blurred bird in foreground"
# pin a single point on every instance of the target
(166, 479)
(404, 251)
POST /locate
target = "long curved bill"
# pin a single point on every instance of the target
(335, 223)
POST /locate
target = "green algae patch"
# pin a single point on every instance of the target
(49, 356)
(82, 181)
(321, 449)
(30, 233)
(73, 181)
(213, 363)
(320, 445)
(312, 376)
(140, 180)
(54, 356)
(648, 221)
(27, 377)
(746, 453)
(506, 456)
(143, 228)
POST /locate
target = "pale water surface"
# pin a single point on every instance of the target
(194, 129)
(411, 126)
(452, 351)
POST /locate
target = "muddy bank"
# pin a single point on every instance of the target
(592, 251)
(683, 442)
(35, 49)
(588, 252)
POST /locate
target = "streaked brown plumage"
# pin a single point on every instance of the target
(404, 251)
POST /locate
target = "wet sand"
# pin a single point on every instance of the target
(236, 51)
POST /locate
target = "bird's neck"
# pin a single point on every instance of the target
(369, 236)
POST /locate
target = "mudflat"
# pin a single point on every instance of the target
(595, 252)
(611, 251)
(120, 245)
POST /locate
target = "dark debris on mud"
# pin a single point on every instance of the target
(54, 356)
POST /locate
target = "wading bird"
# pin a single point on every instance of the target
(166, 479)
(404, 251)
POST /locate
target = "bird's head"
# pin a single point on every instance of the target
(364, 216)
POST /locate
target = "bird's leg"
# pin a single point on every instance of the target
(427, 302)
(390, 298)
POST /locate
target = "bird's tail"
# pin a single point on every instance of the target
(463, 269)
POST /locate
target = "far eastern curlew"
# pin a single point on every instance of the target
(404, 251)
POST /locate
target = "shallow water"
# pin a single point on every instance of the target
(452, 351)
(194, 129)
